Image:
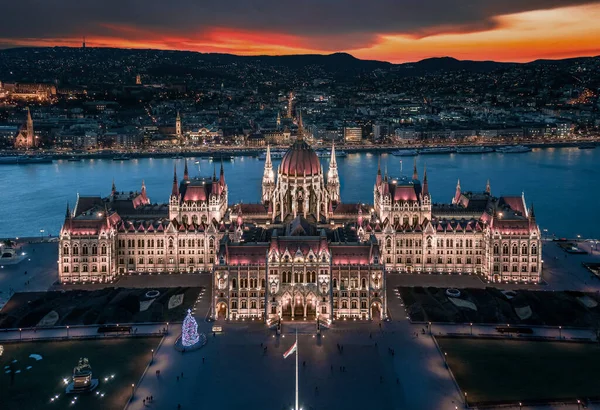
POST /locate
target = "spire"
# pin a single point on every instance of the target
(178, 116)
(457, 194)
(332, 161)
(385, 179)
(68, 214)
(415, 173)
(114, 188)
(175, 190)
(222, 174)
(186, 175)
(214, 173)
(378, 180)
(268, 162)
(488, 188)
(300, 126)
(143, 189)
(425, 183)
(532, 212)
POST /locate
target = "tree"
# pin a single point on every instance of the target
(189, 331)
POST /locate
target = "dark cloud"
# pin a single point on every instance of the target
(322, 24)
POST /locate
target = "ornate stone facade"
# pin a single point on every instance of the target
(300, 253)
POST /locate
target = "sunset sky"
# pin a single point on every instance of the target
(391, 30)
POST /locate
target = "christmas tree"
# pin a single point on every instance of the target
(189, 331)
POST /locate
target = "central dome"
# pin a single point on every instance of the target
(300, 159)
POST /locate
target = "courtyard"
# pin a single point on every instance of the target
(513, 371)
(38, 382)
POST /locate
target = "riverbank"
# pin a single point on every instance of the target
(226, 153)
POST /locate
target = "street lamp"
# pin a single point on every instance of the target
(429, 325)
(520, 405)
(41, 234)
(20, 333)
(471, 328)
(578, 404)
(67, 332)
(152, 359)
(132, 386)
(560, 332)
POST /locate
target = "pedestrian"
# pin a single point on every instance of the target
(144, 402)
(214, 334)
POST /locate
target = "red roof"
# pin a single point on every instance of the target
(300, 159)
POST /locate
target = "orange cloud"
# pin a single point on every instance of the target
(555, 33)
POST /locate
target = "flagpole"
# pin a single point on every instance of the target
(296, 368)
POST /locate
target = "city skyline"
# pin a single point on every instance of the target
(511, 31)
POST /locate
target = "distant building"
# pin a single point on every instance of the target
(26, 138)
(352, 135)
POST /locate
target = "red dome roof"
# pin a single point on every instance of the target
(300, 158)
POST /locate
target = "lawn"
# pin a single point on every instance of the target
(32, 389)
(509, 371)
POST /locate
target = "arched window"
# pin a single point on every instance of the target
(211, 243)
(170, 242)
(185, 219)
(363, 283)
(75, 250)
(253, 304)
(515, 249)
(335, 283)
(534, 250)
(405, 220)
(496, 249)
(415, 220)
(344, 304)
(103, 249)
(429, 242)
(244, 304)
(524, 249)
(94, 250)
(354, 304)
(65, 250)
(505, 249)
(234, 283)
(84, 250)
(234, 304)
(263, 283)
(388, 243)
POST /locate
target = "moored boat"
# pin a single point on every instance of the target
(474, 150)
(513, 149)
(405, 153)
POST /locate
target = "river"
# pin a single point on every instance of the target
(563, 184)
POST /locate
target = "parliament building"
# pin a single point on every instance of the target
(301, 252)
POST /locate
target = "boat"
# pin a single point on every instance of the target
(437, 150)
(121, 158)
(74, 159)
(274, 155)
(24, 160)
(513, 149)
(326, 153)
(222, 158)
(405, 153)
(475, 150)
(587, 146)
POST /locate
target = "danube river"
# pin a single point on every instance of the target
(563, 184)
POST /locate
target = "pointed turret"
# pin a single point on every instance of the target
(378, 180)
(186, 174)
(425, 183)
(385, 178)
(175, 189)
(113, 190)
(488, 188)
(415, 173)
(222, 175)
(68, 213)
(214, 173)
(456, 198)
(178, 125)
(300, 126)
(333, 178)
(143, 189)
(268, 181)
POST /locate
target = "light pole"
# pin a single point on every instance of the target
(152, 359)
(471, 328)
(466, 401)
(429, 325)
(41, 234)
(132, 387)
(67, 332)
(20, 333)
(578, 404)
(520, 405)
(560, 332)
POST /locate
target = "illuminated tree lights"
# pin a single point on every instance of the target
(189, 331)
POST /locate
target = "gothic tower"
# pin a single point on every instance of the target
(333, 179)
(268, 181)
(178, 125)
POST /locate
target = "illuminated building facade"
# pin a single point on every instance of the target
(300, 253)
